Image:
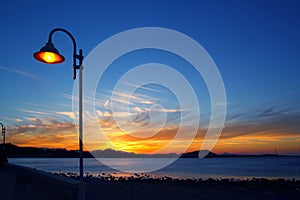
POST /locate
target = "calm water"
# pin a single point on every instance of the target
(269, 167)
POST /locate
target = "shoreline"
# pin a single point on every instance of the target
(130, 186)
(116, 176)
(18, 182)
(237, 168)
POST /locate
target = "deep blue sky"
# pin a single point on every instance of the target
(255, 44)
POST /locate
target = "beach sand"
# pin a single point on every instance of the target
(25, 183)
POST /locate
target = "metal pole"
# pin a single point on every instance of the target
(3, 134)
(4, 141)
(81, 192)
(81, 186)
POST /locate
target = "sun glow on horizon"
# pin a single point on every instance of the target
(256, 143)
(50, 129)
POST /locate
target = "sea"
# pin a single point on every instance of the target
(184, 168)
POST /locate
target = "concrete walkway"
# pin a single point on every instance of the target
(23, 183)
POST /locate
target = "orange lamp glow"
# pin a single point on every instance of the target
(49, 57)
(49, 54)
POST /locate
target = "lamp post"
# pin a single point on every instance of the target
(3, 134)
(50, 55)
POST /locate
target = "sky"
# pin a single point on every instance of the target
(254, 44)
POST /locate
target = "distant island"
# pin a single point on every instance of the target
(14, 151)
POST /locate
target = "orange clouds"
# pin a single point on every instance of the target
(260, 136)
(48, 133)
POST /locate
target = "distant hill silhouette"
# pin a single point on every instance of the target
(16, 151)
(209, 154)
(110, 153)
(195, 154)
(13, 151)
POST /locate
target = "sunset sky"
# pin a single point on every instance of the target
(255, 45)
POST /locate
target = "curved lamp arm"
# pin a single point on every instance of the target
(75, 55)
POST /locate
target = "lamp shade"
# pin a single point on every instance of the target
(49, 54)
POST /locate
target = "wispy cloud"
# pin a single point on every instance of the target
(38, 113)
(283, 123)
(67, 113)
(41, 125)
(148, 88)
(280, 131)
(36, 121)
(29, 75)
(139, 107)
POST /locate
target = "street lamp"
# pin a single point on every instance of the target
(3, 134)
(50, 55)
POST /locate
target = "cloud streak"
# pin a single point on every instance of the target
(255, 129)
(280, 131)
(16, 71)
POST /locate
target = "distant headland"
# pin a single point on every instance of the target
(14, 151)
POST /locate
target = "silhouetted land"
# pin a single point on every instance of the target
(14, 151)
(194, 154)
